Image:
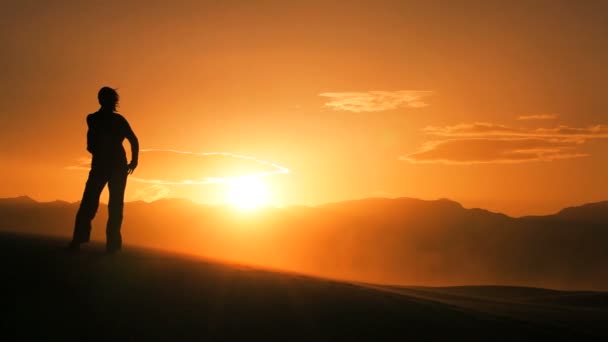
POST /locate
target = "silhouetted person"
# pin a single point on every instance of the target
(107, 130)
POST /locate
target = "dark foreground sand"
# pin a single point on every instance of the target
(142, 294)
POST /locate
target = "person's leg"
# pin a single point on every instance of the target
(117, 184)
(88, 206)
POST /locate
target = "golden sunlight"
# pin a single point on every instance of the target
(248, 193)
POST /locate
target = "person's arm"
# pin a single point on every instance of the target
(130, 135)
(90, 136)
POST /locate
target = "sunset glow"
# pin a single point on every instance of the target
(372, 170)
(247, 193)
(377, 99)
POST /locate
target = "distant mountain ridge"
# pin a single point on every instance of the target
(584, 211)
(403, 203)
(401, 241)
(593, 209)
(17, 200)
(589, 211)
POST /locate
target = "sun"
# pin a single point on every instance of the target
(247, 193)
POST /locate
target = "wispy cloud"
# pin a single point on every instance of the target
(492, 143)
(274, 169)
(151, 193)
(537, 117)
(480, 150)
(490, 130)
(82, 163)
(376, 101)
(183, 168)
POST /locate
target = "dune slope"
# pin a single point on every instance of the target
(148, 294)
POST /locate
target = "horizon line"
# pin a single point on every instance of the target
(226, 205)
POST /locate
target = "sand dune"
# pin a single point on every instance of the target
(145, 294)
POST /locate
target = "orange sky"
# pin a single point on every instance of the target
(500, 106)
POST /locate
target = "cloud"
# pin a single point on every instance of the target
(489, 130)
(492, 143)
(537, 117)
(173, 167)
(376, 101)
(272, 169)
(478, 151)
(151, 193)
(82, 163)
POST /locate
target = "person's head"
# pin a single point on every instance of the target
(108, 98)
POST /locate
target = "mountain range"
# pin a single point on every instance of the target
(401, 241)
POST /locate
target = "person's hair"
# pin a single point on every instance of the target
(108, 98)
